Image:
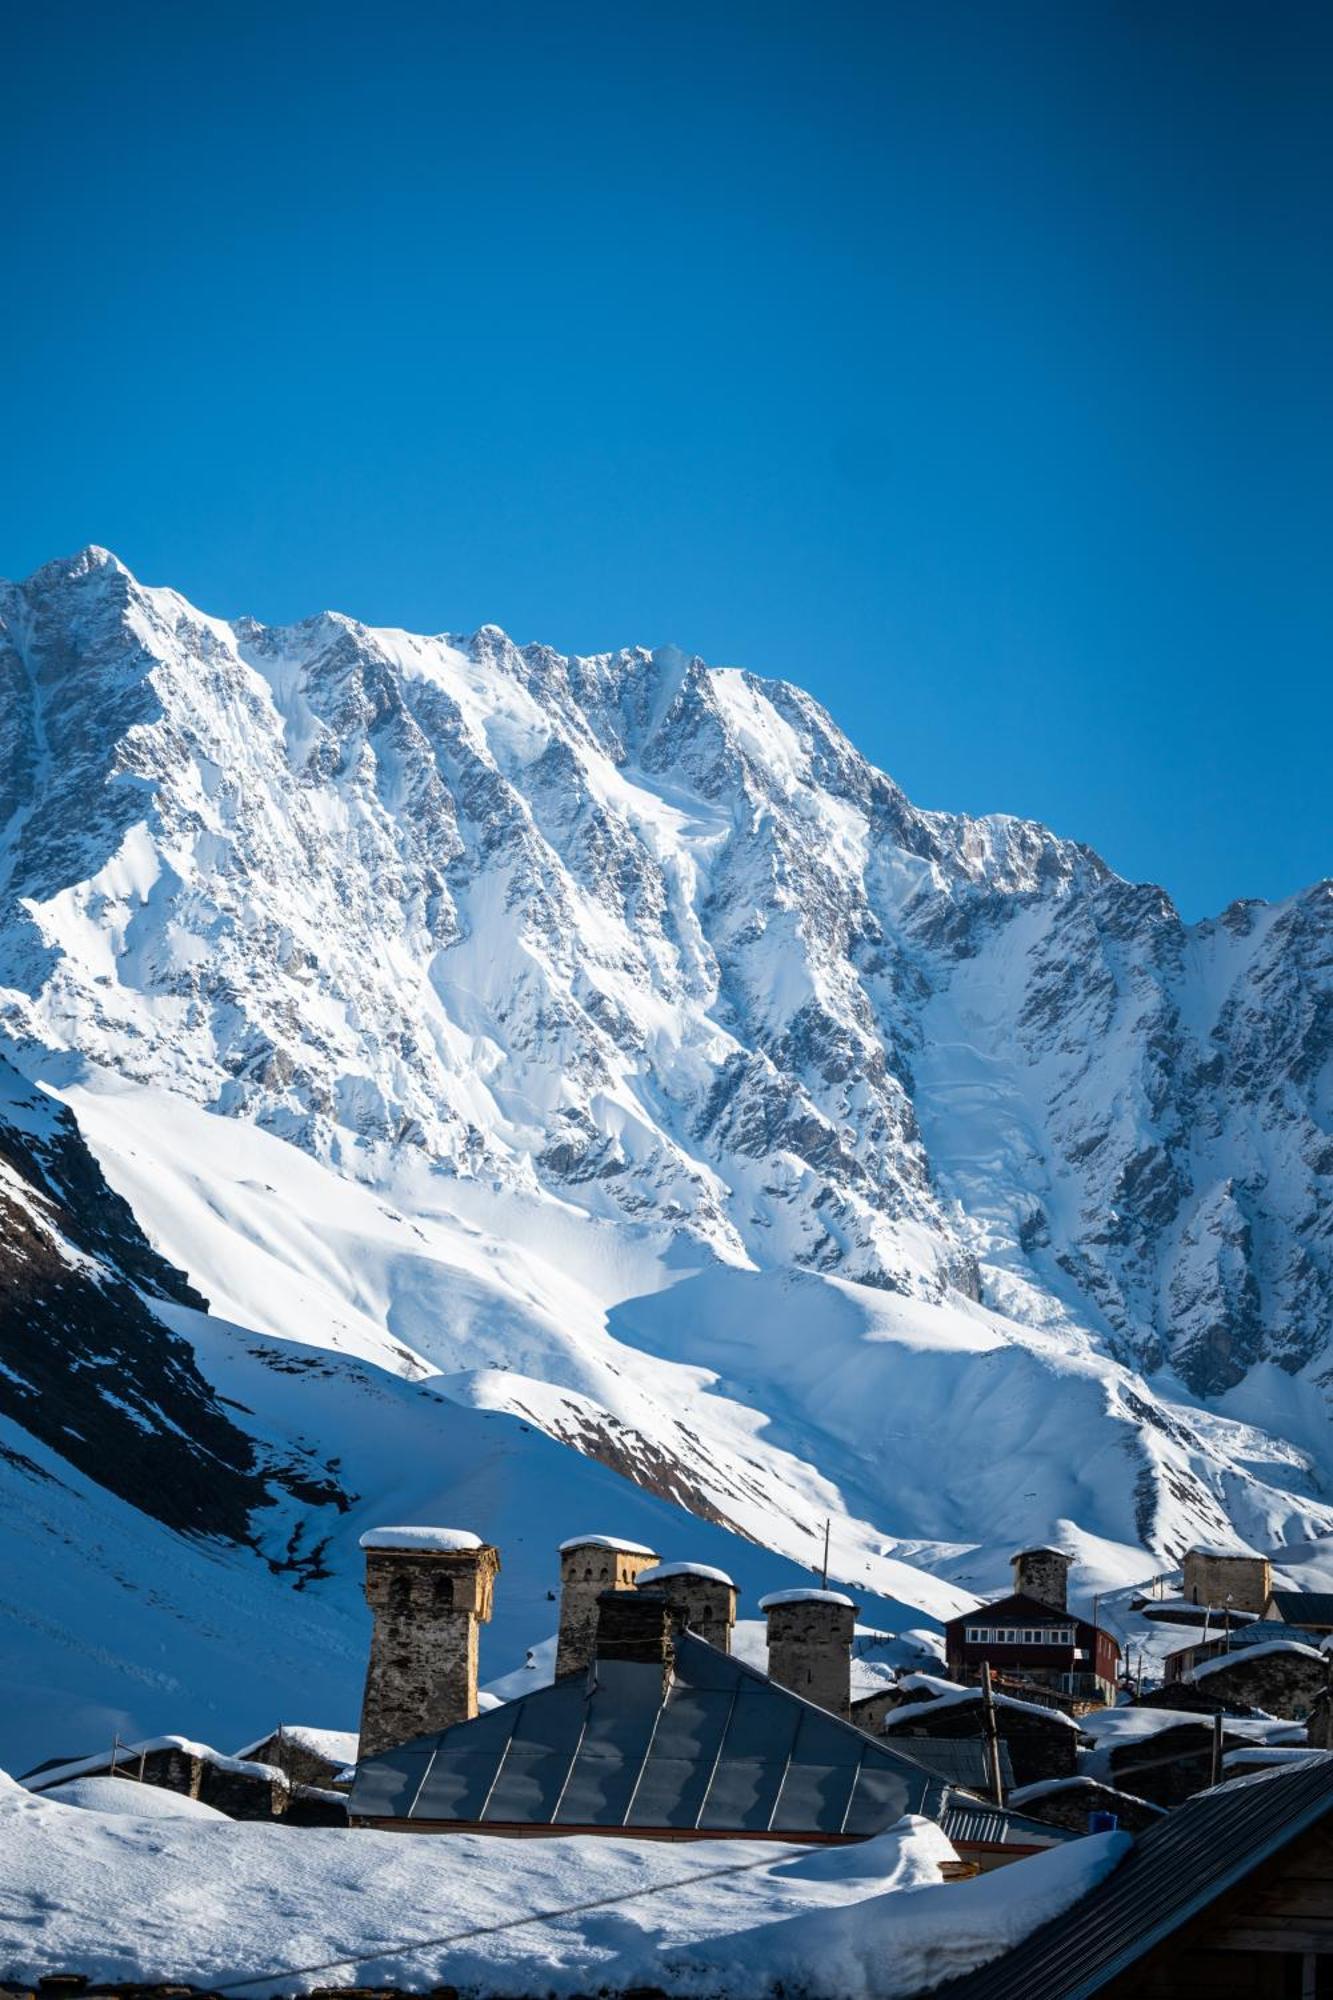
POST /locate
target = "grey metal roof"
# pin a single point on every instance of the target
(959, 1760)
(1304, 1607)
(1173, 1871)
(723, 1750)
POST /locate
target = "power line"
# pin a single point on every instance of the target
(489, 1930)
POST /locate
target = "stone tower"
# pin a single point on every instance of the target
(702, 1600)
(1043, 1574)
(810, 1645)
(430, 1591)
(590, 1564)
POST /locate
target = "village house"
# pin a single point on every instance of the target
(1078, 1803)
(1222, 1638)
(1219, 1577)
(1282, 1677)
(1041, 1742)
(237, 1786)
(1032, 1637)
(655, 1729)
(1165, 1756)
(1230, 1898)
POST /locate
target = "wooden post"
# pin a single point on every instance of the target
(992, 1735)
(823, 1575)
(1216, 1777)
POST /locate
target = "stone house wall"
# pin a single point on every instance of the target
(586, 1570)
(1209, 1579)
(428, 1608)
(810, 1651)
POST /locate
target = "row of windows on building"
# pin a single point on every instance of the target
(1020, 1635)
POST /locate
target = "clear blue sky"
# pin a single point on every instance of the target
(969, 364)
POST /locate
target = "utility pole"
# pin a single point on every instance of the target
(1216, 1777)
(992, 1735)
(823, 1575)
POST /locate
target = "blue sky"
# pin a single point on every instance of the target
(968, 364)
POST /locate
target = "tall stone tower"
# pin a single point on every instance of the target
(430, 1590)
(1043, 1574)
(702, 1600)
(810, 1645)
(590, 1564)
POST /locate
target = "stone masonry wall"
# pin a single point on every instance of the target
(1209, 1579)
(810, 1652)
(423, 1652)
(585, 1572)
(1043, 1574)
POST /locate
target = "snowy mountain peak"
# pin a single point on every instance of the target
(690, 1032)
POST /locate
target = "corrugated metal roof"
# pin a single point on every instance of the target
(1173, 1871)
(722, 1750)
(973, 1822)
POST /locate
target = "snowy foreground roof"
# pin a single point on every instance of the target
(437, 1541)
(209, 1903)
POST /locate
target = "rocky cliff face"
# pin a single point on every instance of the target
(655, 940)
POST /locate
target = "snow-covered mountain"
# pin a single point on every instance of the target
(605, 1042)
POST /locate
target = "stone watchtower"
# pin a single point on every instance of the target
(1043, 1574)
(430, 1590)
(810, 1645)
(590, 1564)
(702, 1600)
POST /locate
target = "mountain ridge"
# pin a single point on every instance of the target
(664, 1075)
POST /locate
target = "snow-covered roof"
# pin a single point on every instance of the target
(933, 1684)
(804, 1597)
(616, 1542)
(1215, 1553)
(914, 1711)
(1263, 1754)
(125, 1756)
(438, 1541)
(1041, 1549)
(338, 1745)
(660, 1571)
(1247, 1653)
(1081, 1781)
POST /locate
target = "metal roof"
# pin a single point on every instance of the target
(1173, 1871)
(1304, 1607)
(959, 1760)
(716, 1747)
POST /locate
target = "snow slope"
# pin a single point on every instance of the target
(601, 1046)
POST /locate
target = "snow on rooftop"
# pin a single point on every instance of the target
(1041, 1549)
(340, 1746)
(661, 1571)
(913, 1711)
(438, 1541)
(1247, 1653)
(209, 1904)
(804, 1597)
(1213, 1552)
(616, 1542)
(1263, 1754)
(128, 1754)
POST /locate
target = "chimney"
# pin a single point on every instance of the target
(702, 1600)
(1043, 1574)
(589, 1565)
(810, 1645)
(430, 1591)
(634, 1628)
